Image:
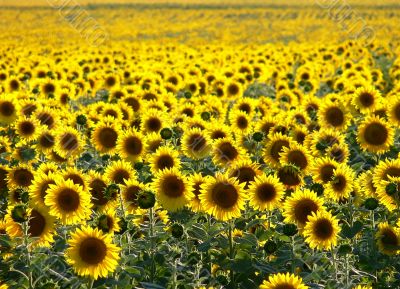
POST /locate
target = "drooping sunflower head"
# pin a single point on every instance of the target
(92, 253)
(388, 239)
(300, 205)
(222, 197)
(283, 281)
(375, 135)
(172, 189)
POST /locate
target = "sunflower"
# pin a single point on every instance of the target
(119, 172)
(290, 176)
(216, 131)
(152, 142)
(130, 192)
(196, 181)
(366, 99)
(130, 145)
(296, 155)
(76, 176)
(244, 171)
(283, 281)
(322, 169)
(47, 117)
(233, 89)
(333, 115)
(108, 222)
(153, 121)
(46, 140)
(68, 142)
(8, 109)
(20, 176)
(40, 186)
(226, 151)
(384, 194)
(240, 122)
(172, 189)
(222, 197)
(342, 183)
(300, 205)
(266, 192)
(375, 135)
(68, 202)
(275, 145)
(339, 153)
(164, 158)
(321, 230)
(92, 253)
(196, 144)
(27, 128)
(385, 169)
(105, 135)
(97, 188)
(388, 239)
(362, 287)
(394, 110)
(40, 226)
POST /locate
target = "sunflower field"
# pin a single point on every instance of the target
(199, 144)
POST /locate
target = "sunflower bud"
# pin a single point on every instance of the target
(345, 249)
(176, 230)
(81, 119)
(371, 204)
(146, 200)
(166, 133)
(391, 189)
(19, 214)
(205, 115)
(138, 166)
(270, 247)
(258, 136)
(188, 94)
(290, 230)
(111, 191)
(102, 224)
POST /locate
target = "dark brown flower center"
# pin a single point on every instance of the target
(173, 187)
(92, 251)
(108, 137)
(224, 195)
(303, 209)
(376, 134)
(68, 200)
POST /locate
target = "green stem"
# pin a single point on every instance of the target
(293, 256)
(231, 254)
(90, 283)
(334, 261)
(151, 225)
(28, 255)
